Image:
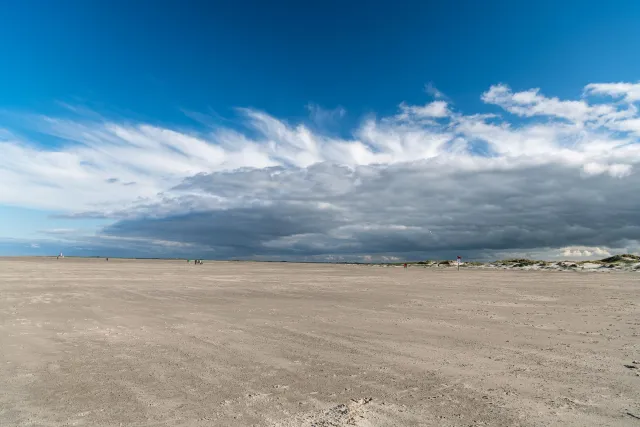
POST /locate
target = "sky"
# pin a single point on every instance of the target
(330, 131)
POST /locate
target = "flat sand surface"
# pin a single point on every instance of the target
(163, 343)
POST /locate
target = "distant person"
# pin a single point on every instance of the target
(405, 265)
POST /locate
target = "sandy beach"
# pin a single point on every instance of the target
(85, 342)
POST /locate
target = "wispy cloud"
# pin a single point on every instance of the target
(325, 118)
(430, 89)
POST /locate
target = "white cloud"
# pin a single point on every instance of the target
(123, 169)
(585, 252)
(531, 103)
(615, 170)
(106, 164)
(435, 109)
(629, 91)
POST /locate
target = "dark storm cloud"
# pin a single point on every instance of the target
(240, 230)
(408, 209)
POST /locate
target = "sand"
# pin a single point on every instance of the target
(163, 343)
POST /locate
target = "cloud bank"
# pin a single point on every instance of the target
(531, 173)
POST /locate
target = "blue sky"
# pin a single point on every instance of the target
(154, 58)
(84, 82)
